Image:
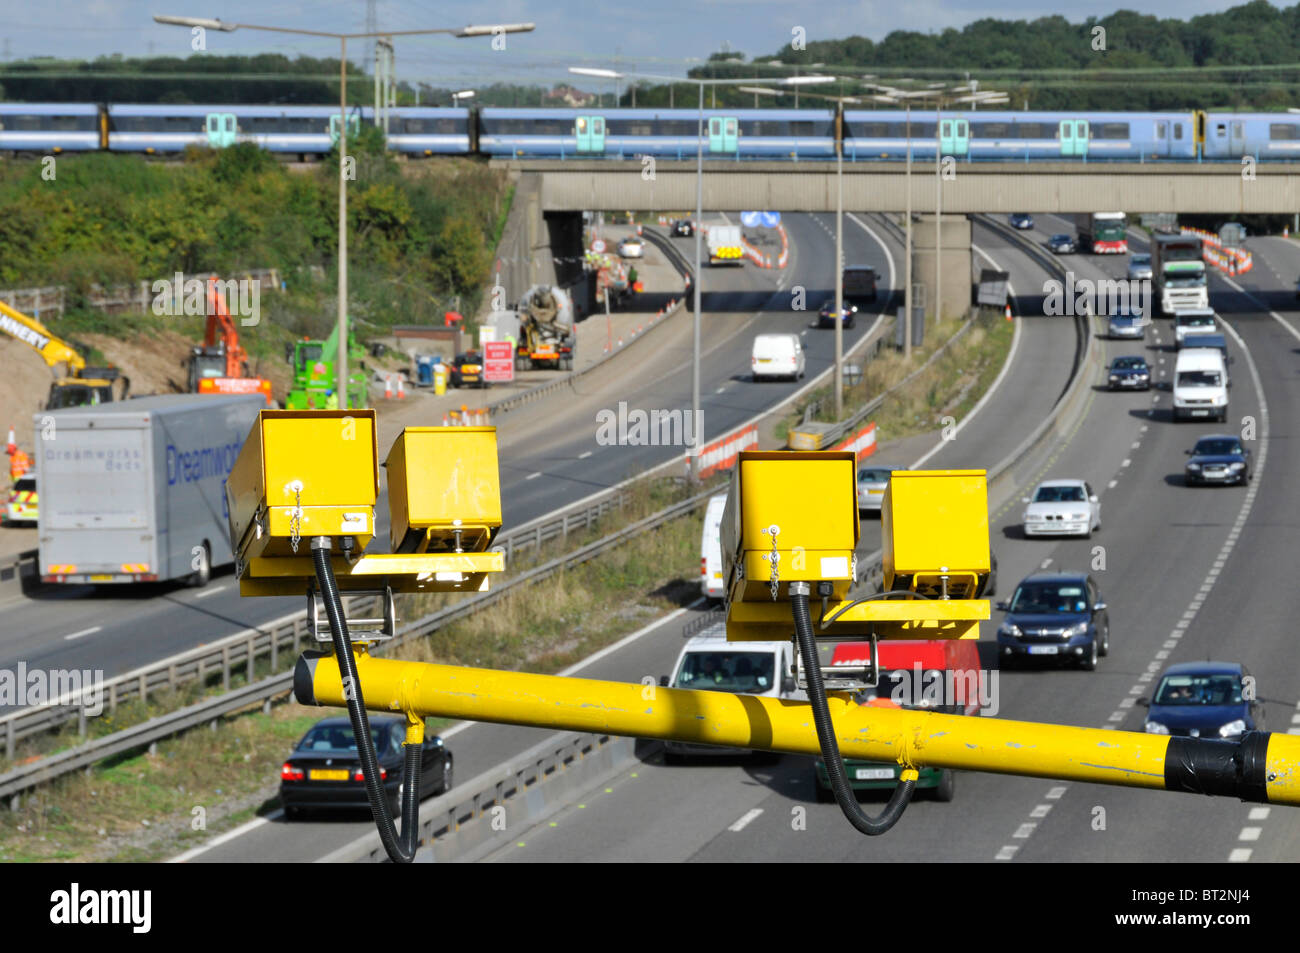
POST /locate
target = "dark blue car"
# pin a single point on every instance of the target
(1059, 616)
(1205, 700)
(1218, 458)
(1130, 373)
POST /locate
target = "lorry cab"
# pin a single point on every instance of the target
(708, 662)
(1200, 385)
(712, 585)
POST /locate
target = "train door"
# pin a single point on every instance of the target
(221, 130)
(590, 133)
(724, 134)
(1160, 139)
(954, 137)
(354, 126)
(1073, 134)
(1237, 137)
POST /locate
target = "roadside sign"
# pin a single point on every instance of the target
(771, 219)
(498, 362)
(598, 245)
(751, 219)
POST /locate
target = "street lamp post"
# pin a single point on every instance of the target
(341, 365)
(696, 420)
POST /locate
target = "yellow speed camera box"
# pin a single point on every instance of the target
(935, 523)
(303, 473)
(810, 499)
(441, 480)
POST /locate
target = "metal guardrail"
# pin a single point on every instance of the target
(243, 649)
(14, 568)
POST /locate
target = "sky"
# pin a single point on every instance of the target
(651, 36)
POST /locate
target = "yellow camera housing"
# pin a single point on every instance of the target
(934, 527)
(455, 504)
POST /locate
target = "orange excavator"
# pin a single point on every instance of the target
(220, 366)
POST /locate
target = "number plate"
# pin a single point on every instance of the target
(321, 774)
(874, 774)
(102, 577)
(1043, 649)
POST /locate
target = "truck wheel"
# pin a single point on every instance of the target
(200, 577)
(824, 795)
(946, 789)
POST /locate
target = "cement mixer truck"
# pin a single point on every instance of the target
(546, 338)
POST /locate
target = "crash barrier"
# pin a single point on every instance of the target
(465, 417)
(721, 454)
(1230, 261)
(861, 444)
(767, 261)
(14, 569)
(474, 819)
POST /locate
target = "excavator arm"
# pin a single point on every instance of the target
(31, 332)
(219, 323)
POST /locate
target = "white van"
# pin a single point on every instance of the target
(777, 355)
(712, 585)
(1200, 384)
(1191, 322)
(710, 663)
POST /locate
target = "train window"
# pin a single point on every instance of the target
(1178, 130)
(1283, 130)
(991, 130)
(1162, 130)
(871, 130)
(1036, 130)
(1220, 129)
(634, 127)
(1109, 130)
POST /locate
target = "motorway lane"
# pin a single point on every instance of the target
(1159, 542)
(139, 625)
(725, 365)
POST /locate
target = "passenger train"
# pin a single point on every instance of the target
(777, 134)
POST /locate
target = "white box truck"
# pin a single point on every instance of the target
(725, 245)
(134, 491)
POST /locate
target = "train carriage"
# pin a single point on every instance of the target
(153, 129)
(49, 128)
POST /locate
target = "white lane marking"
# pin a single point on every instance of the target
(1040, 811)
(1136, 444)
(1259, 813)
(211, 590)
(584, 455)
(1055, 793)
(532, 476)
(720, 390)
(1127, 462)
(228, 836)
(76, 635)
(1024, 830)
(1112, 484)
(1006, 853)
(1250, 833)
(1046, 562)
(1239, 855)
(745, 820)
(997, 381)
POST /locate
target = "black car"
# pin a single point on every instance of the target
(324, 769)
(682, 228)
(467, 370)
(1021, 220)
(1218, 458)
(1062, 245)
(1056, 615)
(1129, 373)
(1204, 700)
(826, 317)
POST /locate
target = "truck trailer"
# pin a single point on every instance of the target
(134, 491)
(1178, 273)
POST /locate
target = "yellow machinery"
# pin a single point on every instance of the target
(307, 481)
(78, 385)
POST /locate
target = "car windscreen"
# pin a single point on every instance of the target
(25, 485)
(1199, 321)
(340, 738)
(1128, 363)
(1140, 260)
(873, 476)
(1198, 379)
(1217, 446)
(1199, 690)
(1045, 597)
(727, 671)
(1059, 494)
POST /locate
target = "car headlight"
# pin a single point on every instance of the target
(1009, 629)
(1235, 727)
(1078, 516)
(1193, 466)
(1237, 466)
(1155, 728)
(1114, 377)
(1074, 630)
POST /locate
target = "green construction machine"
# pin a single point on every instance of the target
(315, 375)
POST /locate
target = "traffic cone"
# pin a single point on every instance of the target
(388, 387)
(1008, 312)
(11, 445)
(1286, 231)
(445, 421)
(401, 389)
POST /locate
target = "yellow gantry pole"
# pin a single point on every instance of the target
(1260, 767)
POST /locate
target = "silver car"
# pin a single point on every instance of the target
(1127, 325)
(1139, 267)
(872, 483)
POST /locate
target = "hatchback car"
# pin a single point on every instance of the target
(826, 317)
(683, 228)
(631, 247)
(872, 483)
(1127, 325)
(467, 370)
(1204, 699)
(1219, 458)
(1021, 220)
(1056, 615)
(20, 507)
(1129, 373)
(1062, 244)
(1062, 508)
(324, 769)
(1139, 267)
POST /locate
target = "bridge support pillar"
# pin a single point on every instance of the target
(956, 264)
